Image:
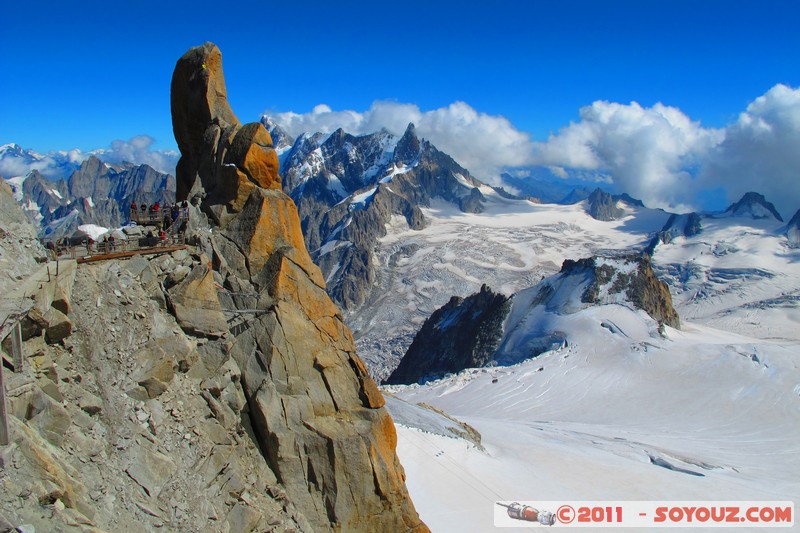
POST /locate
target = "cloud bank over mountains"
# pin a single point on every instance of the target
(60, 164)
(657, 153)
(482, 143)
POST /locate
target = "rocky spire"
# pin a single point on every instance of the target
(602, 206)
(221, 160)
(408, 147)
(318, 417)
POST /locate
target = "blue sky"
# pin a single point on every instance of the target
(82, 74)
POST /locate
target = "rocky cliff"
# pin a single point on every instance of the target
(19, 247)
(209, 389)
(463, 334)
(319, 418)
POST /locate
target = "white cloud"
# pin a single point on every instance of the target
(761, 152)
(482, 143)
(657, 154)
(60, 164)
(651, 153)
(660, 155)
(138, 150)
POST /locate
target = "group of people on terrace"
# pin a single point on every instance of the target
(142, 214)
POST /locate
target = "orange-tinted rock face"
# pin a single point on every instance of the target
(221, 160)
(251, 151)
(318, 416)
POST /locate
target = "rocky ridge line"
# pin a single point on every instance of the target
(479, 325)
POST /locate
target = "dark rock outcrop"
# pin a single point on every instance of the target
(613, 276)
(463, 334)
(753, 205)
(318, 417)
(793, 231)
(603, 206)
(684, 225)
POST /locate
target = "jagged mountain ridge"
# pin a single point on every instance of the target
(348, 188)
(95, 193)
(507, 331)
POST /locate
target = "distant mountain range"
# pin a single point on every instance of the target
(349, 188)
(93, 192)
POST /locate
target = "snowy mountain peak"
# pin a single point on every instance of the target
(281, 141)
(626, 280)
(11, 149)
(408, 147)
(755, 206)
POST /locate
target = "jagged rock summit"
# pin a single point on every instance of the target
(463, 334)
(319, 418)
(603, 206)
(219, 155)
(753, 205)
(348, 188)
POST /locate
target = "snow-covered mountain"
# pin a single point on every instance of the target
(18, 161)
(349, 188)
(95, 193)
(615, 406)
(753, 205)
(488, 329)
(513, 243)
(510, 246)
